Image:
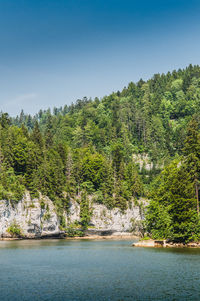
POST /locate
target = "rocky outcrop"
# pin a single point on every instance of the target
(144, 161)
(34, 218)
(144, 243)
(115, 221)
(150, 243)
(165, 244)
(37, 218)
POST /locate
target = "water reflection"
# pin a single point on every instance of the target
(96, 270)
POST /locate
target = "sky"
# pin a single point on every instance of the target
(53, 52)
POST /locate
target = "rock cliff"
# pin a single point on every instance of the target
(37, 218)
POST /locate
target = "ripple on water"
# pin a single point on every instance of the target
(96, 270)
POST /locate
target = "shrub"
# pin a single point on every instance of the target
(46, 216)
(72, 232)
(15, 230)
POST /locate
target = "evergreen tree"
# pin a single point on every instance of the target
(192, 155)
(36, 136)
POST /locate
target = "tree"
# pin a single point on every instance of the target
(5, 120)
(173, 205)
(49, 131)
(191, 151)
(134, 182)
(85, 212)
(36, 136)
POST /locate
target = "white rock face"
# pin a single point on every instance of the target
(114, 219)
(35, 218)
(104, 219)
(74, 212)
(38, 218)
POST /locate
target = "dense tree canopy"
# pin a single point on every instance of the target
(94, 147)
(173, 211)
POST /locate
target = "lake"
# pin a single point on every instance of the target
(96, 270)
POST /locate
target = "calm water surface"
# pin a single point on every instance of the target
(96, 270)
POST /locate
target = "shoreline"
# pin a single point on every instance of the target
(164, 244)
(106, 237)
(138, 243)
(89, 237)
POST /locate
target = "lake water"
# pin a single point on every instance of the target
(96, 270)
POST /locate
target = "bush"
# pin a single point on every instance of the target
(15, 230)
(42, 204)
(72, 232)
(46, 216)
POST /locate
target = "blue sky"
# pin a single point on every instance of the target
(53, 52)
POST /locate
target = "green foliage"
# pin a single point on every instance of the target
(46, 216)
(172, 212)
(11, 185)
(85, 211)
(88, 148)
(145, 238)
(133, 180)
(73, 231)
(42, 204)
(159, 222)
(15, 230)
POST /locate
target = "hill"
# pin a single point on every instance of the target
(100, 147)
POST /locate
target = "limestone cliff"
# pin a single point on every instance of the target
(38, 218)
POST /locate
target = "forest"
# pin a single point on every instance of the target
(94, 148)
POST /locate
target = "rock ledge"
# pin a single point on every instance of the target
(164, 244)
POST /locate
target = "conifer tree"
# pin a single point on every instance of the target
(36, 135)
(192, 155)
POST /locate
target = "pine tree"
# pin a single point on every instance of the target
(48, 131)
(85, 212)
(192, 155)
(36, 136)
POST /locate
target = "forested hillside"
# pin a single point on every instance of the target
(91, 147)
(146, 117)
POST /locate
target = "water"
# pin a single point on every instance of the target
(96, 270)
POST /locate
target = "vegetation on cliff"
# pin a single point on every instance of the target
(91, 148)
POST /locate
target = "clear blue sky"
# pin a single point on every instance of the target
(55, 51)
